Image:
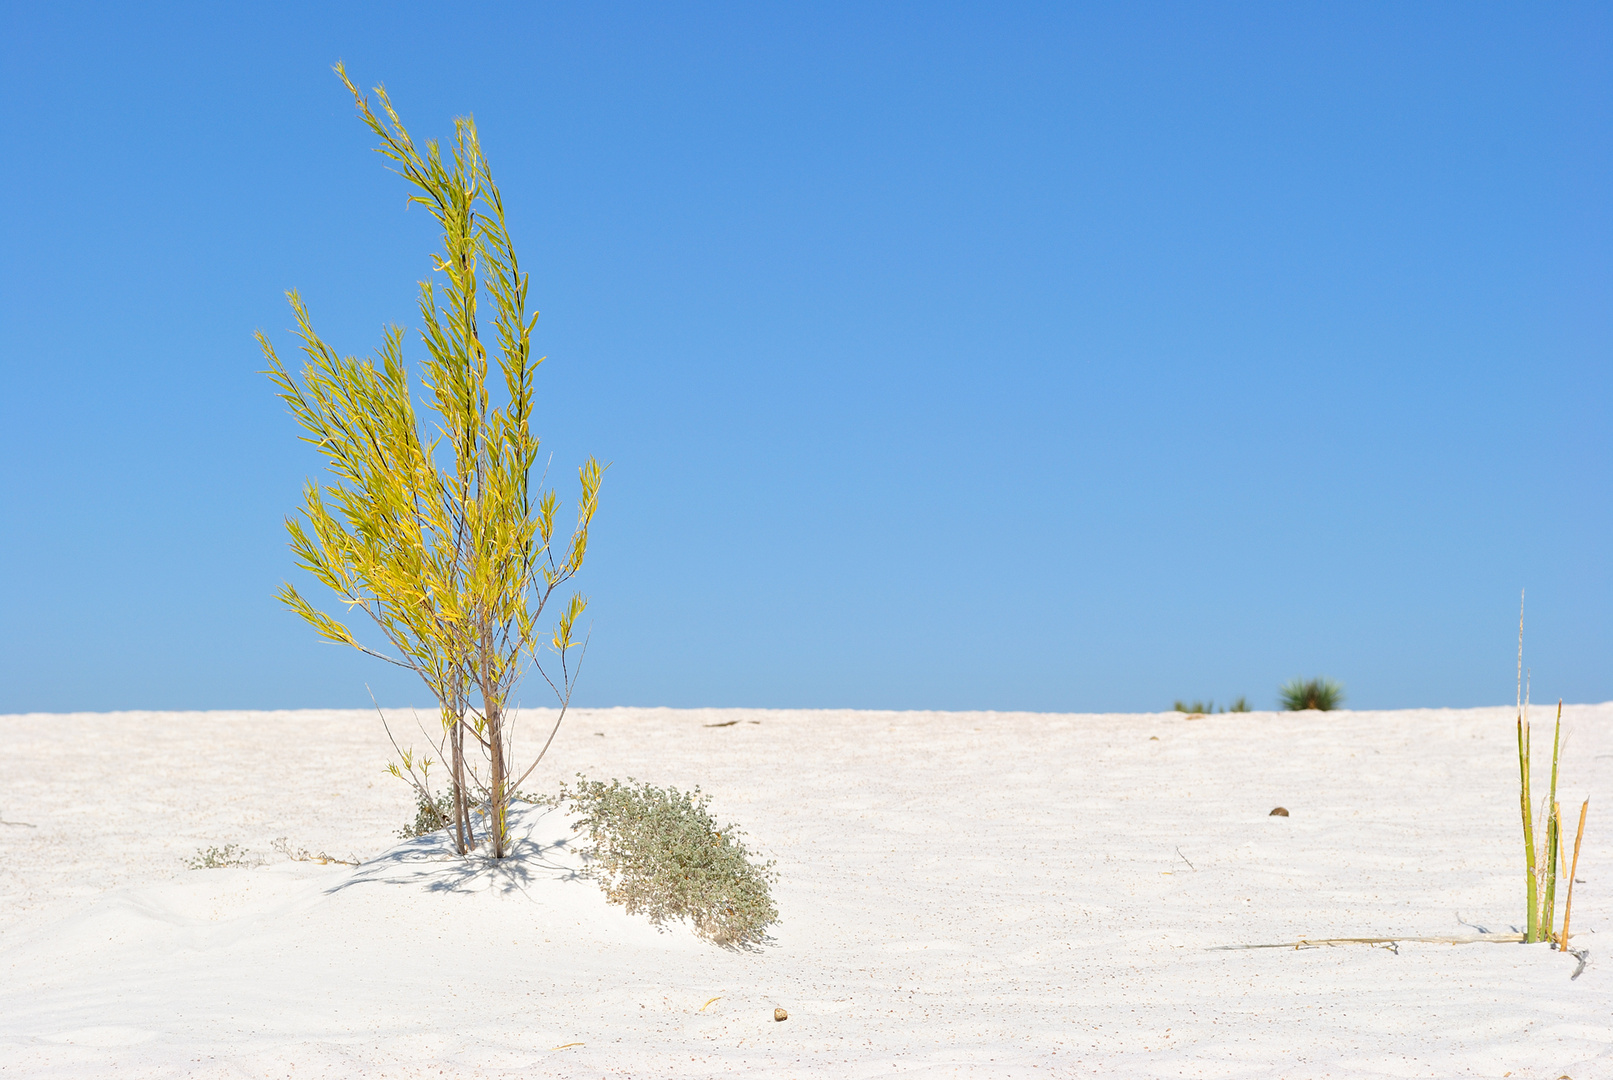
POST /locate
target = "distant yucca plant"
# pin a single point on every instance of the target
(1320, 694)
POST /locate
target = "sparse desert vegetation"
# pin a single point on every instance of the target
(431, 526)
(946, 880)
(216, 858)
(1320, 694)
(1204, 708)
(659, 852)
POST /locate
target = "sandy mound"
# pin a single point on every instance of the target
(961, 894)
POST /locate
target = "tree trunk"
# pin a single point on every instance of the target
(464, 834)
(495, 739)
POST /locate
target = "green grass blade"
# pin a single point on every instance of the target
(1532, 912)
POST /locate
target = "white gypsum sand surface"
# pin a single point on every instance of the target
(961, 894)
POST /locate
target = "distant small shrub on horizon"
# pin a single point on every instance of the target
(1240, 704)
(1323, 695)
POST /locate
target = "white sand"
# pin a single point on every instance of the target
(963, 894)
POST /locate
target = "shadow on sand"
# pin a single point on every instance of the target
(542, 848)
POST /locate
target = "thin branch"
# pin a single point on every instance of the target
(1312, 943)
(418, 784)
(382, 656)
(564, 705)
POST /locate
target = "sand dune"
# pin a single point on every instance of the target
(962, 894)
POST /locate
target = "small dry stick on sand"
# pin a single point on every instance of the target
(1311, 943)
(302, 854)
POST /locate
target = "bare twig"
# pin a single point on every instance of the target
(1312, 943)
(418, 784)
(440, 745)
(302, 854)
(564, 705)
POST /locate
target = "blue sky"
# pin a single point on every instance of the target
(1019, 357)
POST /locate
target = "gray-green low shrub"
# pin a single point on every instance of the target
(429, 816)
(659, 852)
(216, 858)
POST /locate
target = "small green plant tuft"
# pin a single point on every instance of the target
(430, 815)
(1543, 852)
(659, 852)
(1205, 708)
(1540, 860)
(1321, 694)
(534, 798)
(216, 858)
